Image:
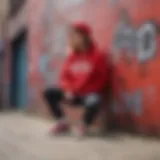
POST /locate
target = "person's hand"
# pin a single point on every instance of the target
(68, 95)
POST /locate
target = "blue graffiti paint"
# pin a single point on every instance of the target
(47, 74)
(43, 62)
(131, 102)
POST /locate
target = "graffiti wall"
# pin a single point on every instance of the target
(127, 30)
(135, 50)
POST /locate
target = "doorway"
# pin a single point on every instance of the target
(18, 94)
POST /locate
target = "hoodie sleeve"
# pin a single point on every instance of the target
(97, 79)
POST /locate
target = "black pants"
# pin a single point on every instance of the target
(91, 104)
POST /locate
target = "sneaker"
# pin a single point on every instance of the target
(81, 131)
(59, 128)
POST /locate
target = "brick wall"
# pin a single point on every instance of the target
(128, 30)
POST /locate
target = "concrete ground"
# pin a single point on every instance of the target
(25, 138)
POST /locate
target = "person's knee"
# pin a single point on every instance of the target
(52, 93)
(92, 101)
(48, 92)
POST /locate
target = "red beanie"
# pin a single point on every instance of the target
(82, 27)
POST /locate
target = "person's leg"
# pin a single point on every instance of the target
(53, 97)
(91, 105)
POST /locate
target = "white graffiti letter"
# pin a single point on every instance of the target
(146, 42)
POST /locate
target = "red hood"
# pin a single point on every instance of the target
(84, 28)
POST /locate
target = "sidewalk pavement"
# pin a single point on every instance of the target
(25, 138)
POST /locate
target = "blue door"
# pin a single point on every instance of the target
(19, 75)
(22, 77)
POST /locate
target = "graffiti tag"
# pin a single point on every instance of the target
(140, 43)
(132, 103)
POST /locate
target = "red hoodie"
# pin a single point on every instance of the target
(84, 73)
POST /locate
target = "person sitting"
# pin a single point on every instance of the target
(82, 80)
